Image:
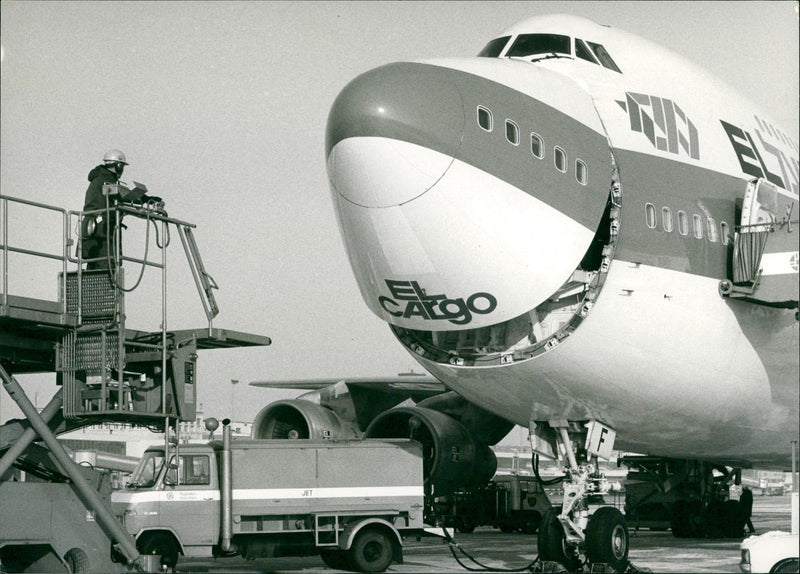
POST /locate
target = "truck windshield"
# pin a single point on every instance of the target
(148, 469)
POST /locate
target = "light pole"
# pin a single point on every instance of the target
(234, 382)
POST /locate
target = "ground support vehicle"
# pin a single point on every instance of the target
(106, 372)
(350, 501)
(690, 497)
(772, 486)
(47, 528)
(508, 502)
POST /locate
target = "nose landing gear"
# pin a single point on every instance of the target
(569, 535)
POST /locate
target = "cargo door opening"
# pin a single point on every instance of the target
(540, 329)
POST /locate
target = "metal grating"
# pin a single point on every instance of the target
(98, 295)
(91, 355)
(84, 352)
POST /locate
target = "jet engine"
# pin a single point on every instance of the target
(298, 418)
(452, 457)
(454, 433)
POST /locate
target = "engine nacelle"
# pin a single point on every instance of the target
(297, 418)
(452, 457)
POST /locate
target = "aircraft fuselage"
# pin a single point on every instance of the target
(546, 229)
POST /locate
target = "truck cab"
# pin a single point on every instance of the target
(173, 507)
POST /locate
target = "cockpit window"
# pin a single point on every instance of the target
(534, 44)
(494, 48)
(582, 51)
(604, 57)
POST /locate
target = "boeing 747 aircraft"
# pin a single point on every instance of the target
(580, 232)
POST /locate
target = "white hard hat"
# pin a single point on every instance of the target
(114, 156)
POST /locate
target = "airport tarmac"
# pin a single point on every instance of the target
(656, 551)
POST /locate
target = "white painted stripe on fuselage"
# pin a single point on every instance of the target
(176, 495)
(782, 263)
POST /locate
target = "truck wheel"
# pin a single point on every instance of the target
(607, 538)
(465, 525)
(162, 544)
(551, 543)
(371, 551)
(507, 529)
(77, 561)
(531, 525)
(335, 559)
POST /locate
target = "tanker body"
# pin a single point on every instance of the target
(351, 502)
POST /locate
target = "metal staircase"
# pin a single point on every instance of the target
(763, 263)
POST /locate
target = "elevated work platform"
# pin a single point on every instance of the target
(105, 372)
(108, 372)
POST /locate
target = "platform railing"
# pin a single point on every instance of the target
(7, 248)
(100, 361)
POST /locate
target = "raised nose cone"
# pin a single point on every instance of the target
(392, 134)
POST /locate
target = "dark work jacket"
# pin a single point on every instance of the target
(94, 193)
(746, 500)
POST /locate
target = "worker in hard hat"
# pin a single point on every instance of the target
(98, 229)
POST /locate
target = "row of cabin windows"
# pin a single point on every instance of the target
(486, 122)
(699, 227)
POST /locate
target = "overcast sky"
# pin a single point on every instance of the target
(221, 109)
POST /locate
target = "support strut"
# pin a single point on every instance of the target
(84, 490)
(29, 435)
(570, 534)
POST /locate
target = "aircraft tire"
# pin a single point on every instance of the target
(734, 519)
(686, 520)
(551, 542)
(607, 538)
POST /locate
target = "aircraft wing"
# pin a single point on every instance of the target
(402, 384)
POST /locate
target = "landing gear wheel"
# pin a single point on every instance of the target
(161, 544)
(551, 543)
(371, 551)
(687, 519)
(335, 559)
(607, 538)
(733, 519)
